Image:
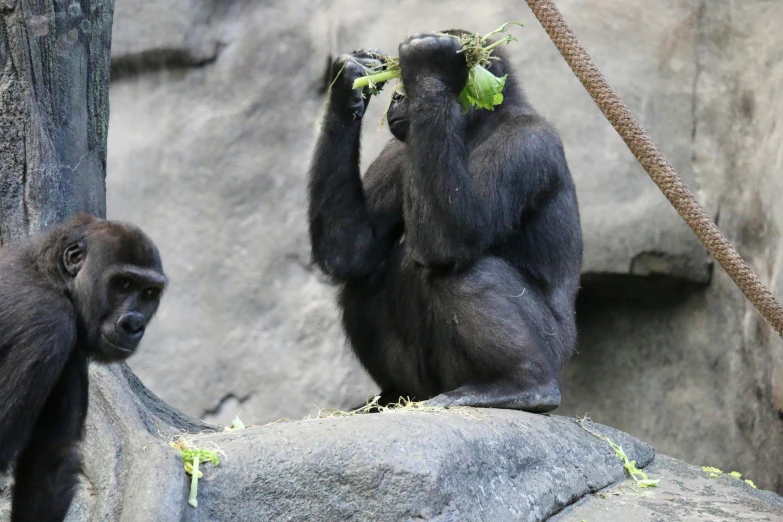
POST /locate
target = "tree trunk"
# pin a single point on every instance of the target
(54, 111)
(54, 114)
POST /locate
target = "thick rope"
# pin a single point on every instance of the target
(656, 165)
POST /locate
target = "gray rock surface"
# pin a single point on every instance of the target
(685, 494)
(166, 33)
(129, 473)
(224, 199)
(466, 464)
(460, 464)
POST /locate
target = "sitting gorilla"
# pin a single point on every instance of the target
(82, 291)
(459, 253)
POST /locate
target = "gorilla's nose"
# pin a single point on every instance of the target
(132, 324)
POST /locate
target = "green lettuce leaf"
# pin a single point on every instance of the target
(483, 90)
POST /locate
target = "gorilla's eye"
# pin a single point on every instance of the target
(151, 293)
(123, 283)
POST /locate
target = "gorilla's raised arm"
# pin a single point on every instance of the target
(352, 225)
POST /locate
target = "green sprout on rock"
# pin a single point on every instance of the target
(191, 458)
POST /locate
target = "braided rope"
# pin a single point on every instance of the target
(654, 162)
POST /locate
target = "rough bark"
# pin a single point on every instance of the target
(54, 88)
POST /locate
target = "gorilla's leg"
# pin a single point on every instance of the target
(535, 397)
(385, 320)
(45, 477)
(46, 481)
(496, 341)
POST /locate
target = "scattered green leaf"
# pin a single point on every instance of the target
(714, 472)
(191, 457)
(639, 476)
(237, 424)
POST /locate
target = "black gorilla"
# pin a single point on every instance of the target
(83, 291)
(459, 253)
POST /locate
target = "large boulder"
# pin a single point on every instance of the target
(439, 465)
(457, 464)
(462, 464)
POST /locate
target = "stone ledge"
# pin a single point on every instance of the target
(685, 493)
(464, 464)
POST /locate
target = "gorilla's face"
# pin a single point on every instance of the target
(115, 280)
(397, 116)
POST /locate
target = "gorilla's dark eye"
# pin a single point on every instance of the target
(151, 293)
(123, 283)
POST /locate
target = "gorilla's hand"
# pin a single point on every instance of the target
(344, 99)
(427, 57)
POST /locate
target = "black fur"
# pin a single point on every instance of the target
(459, 252)
(82, 291)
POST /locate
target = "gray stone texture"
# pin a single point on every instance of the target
(443, 465)
(460, 464)
(213, 113)
(685, 493)
(465, 464)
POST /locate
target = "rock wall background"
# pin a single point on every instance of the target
(214, 105)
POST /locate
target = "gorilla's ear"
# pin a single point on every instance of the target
(73, 258)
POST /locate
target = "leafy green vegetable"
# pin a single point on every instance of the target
(483, 90)
(388, 70)
(191, 457)
(715, 473)
(641, 478)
